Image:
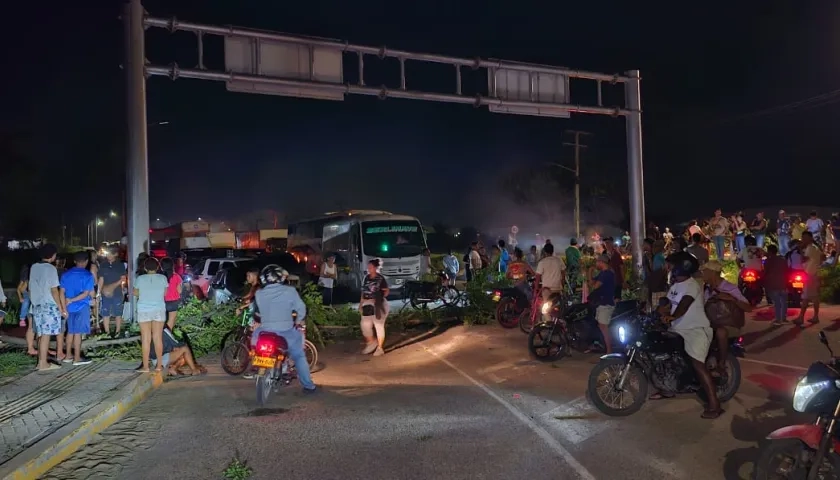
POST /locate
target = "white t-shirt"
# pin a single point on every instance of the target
(551, 271)
(814, 225)
(151, 288)
(751, 258)
(327, 282)
(814, 255)
(475, 260)
(43, 277)
(695, 317)
(719, 226)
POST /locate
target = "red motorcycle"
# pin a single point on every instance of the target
(532, 314)
(796, 284)
(749, 282)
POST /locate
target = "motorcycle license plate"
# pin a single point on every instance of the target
(263, 362)
(496, 298)
(798, 285)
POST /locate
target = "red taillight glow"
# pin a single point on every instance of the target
(497, 293)
(797, 278)
(265, 348)
(749, 275)
(740, 339)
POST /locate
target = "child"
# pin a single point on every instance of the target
(77, 288)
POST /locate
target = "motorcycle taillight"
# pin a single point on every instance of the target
(265, 348)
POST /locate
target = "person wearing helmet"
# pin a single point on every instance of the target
(276, 304)
(688, 319)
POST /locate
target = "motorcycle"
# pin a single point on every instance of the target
(512, 301)
(274, 367)
(796, 284)
(807, 451)
(420, 294)
(749, 282)
(570, 328)
(655, 356)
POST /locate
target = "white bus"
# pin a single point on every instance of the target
(356, 237)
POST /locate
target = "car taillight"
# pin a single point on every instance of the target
(265, 348)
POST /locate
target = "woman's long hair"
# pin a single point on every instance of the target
(167, 267)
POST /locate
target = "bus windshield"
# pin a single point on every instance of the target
(393, 239)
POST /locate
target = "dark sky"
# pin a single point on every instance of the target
(224, 154)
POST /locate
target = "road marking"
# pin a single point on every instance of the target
(575, 421)
(772, 364)
(552, 443)
(495, 368)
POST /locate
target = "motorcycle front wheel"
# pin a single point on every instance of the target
(415, 301)
(235, 358)
(506, 313)
(788, 458)
(607, 398)
(547, 343)
(264, 386)
(311, 354)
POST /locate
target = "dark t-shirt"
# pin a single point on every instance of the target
(371, 286)
(775, 273)
(616, 263)
(111, 272)
(605, 294)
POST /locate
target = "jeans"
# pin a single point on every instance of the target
(739, 242)
(779, 299)
(295, 340)
(784, 244)
(720, 246)
(759, 240)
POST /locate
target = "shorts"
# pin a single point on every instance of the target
(47, 319)
(603, 314)
(156, 315)
(172, 305)
(111, 306)
(812, 288)
(79, 322)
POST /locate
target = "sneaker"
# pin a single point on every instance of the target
(378, 352)
(370, 348)
(248, 376)
(82, 361)
(310, 391)
(66, 360)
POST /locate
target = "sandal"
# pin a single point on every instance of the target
(712, 414)
(141, 370)
(660, 396)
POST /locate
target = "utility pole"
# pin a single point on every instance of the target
(578, 146)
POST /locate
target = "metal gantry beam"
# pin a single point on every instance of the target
(631, 110)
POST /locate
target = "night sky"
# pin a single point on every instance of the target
(224, 154)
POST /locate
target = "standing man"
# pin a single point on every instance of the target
(551, 273)
(758, 227)
(815, 225)
(573, 261)
(783, 228)
(76, 292)
(504, 257)
(46, 309)
(601, 296)
(112, 276)
(617, 266)
(474, 260)
(813, 258)
(719, 225)
(451, 267)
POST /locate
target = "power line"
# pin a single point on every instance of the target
(817, 101)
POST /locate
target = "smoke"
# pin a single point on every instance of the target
(539, 204)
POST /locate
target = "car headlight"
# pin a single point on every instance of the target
(805, 392)
(546, 307)
(622, 334)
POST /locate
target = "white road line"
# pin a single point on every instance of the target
(772, 364)
(495, 368)
(552, 443)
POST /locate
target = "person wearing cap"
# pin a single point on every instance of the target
(602, 296)
(783, 231)
(720, 289)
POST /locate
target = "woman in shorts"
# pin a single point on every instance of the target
(173, 291)
(150, 290)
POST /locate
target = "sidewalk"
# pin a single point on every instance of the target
(44, 418)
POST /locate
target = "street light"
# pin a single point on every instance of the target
(113, 214)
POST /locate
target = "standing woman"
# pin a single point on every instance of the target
(150, 290)
(25, 317)
(173, 291)
(374, 309)
(329, 273)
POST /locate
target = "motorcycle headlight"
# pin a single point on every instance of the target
(805, 392)
(546, 307)
(622, 334)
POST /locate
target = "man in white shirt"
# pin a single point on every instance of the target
(815, 225)
(474, 259)
(813, 258)
(750, 256)
(46, 310)
(551, 273)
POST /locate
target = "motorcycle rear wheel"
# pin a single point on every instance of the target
(794, 463)
(235, 358)
(555, 347)
(415, 302)
(264, 386)
(525, 323)
(725, 391)
(598, 388)
(506, 313)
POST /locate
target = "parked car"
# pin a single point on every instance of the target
(204, 271)
(229, 281)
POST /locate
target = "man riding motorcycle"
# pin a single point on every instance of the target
(276, 304)
(686, 317)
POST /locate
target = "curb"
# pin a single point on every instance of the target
(87, 343)
(57, 447)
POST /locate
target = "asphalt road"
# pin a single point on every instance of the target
(466, 404)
